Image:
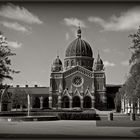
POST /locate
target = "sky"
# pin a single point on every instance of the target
(38, 32)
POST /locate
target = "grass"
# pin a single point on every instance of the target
(118, 123)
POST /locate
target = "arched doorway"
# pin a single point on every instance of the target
(36, 102)
(46, 102)
(76, 102)
(110, 103)
(65, 102)
(87, 102)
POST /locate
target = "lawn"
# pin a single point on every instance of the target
(118, 123)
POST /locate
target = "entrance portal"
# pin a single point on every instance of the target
(65, 102)
(76, 102)
(46, 103)
(87, 102)
(36, 102)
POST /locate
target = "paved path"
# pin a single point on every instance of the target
(67, 128)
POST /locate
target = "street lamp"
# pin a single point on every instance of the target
(28, 99)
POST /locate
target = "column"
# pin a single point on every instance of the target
(104, 100)
(70, 103)
(122, 105)
(50, 101)
(138, 106)
(0, 106)
(31, 102)
(82, 103)
(93, 101)
(59, 102)
(127, 106)
(41, 102)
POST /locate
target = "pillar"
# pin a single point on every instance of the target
(31, 102)
(41, 102)
(50, 101)
(59, 102)
(82, 101)
(93, 101)
(138, 106)
(104, 100)
(122, 105)
(0, 106)
(70, 103)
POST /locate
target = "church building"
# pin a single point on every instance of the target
(79, 82)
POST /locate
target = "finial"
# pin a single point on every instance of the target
(98, 54)
(79, 31)
(57, 54)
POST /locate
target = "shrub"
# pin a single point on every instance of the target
(77, 116)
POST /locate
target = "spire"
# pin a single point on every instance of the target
(79, 31)
(98, 57)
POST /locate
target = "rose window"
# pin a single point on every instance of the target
(77, 81)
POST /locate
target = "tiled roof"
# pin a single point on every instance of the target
(31, 90)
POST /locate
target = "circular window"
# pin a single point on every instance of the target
(77, 81)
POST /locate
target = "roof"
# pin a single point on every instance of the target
(111, 85)
(31, 90)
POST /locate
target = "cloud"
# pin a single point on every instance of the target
(14, 45)
(125, 63)
(15, 12)
(74, 22)
(108, 64)
(107, 50)
(129, 20)
(67, 36)
(14, 25)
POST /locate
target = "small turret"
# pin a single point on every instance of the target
(98, 66)
(57, 65)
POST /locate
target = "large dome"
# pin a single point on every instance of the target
(79, 47)
(79, 52)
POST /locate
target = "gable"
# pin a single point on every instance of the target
(79, 69)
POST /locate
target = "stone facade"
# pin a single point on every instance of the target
(81, 82)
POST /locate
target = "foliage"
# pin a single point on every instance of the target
(19, 98)
(131, 87)
(135, 48)
(5, 61)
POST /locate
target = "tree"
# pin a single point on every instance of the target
(5, 61)
(19, 98)
(131, 88)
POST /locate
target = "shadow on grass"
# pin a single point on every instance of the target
(118, 123)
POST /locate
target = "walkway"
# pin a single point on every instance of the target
(63, 128)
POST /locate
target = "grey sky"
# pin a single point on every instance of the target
(37, 31)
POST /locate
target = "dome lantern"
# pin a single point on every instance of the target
(79, 32)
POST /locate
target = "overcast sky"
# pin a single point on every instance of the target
(37, 31)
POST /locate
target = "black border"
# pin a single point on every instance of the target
(46, 137)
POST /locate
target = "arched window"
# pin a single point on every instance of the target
(87, 102)
(76, 102)
(65, 102)
(36, 102)
(72, 62)
(46, 102)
